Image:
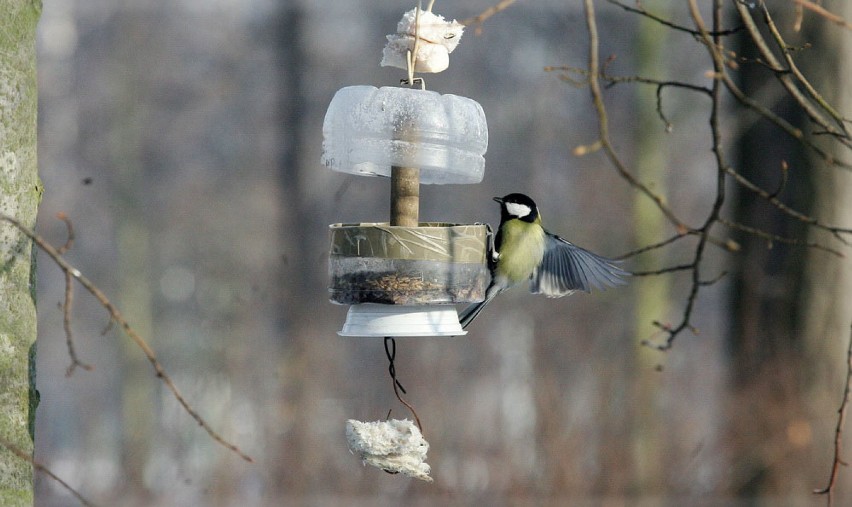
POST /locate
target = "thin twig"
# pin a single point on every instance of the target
(487, 13)
(603, 123)
(798, 18)
(66, 324)
(704, 232)
(41, 468)
(781, 123)
(834, 18)
(674, 331)
(720, 73)
(774, 238)
(566, 71)
(118, 317)
(614, 80)
(714, 281)
(838, 431)
(713, 216)
(798, 215)
(69, 241)
(781, 73)
(794, 70)
(648, 248)
(670, 24)
(670, 269)
(785, 76)
(68, 303)
(785, 175)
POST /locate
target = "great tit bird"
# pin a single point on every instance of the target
(523, 249)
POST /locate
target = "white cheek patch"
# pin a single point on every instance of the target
(518, 210)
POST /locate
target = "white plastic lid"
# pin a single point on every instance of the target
(370, 319)
(367, 130)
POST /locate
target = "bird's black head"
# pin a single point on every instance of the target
(517, 206)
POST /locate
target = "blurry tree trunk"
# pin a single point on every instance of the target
(769, 297)
(138, 400)
(20, 192)
(827, 305)
(294, 478)
(651, 293)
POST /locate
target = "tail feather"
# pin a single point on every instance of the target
(468, 314)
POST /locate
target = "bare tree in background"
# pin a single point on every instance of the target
(788, 215)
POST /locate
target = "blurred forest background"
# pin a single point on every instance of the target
(183, 139)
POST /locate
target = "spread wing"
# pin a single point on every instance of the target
(566, 268)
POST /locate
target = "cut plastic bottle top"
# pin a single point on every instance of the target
(368, 130)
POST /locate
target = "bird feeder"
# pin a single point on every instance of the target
(402, 277)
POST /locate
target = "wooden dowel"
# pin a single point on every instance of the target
(405, 196)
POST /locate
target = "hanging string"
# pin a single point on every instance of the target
(390, 342)
(390, 351)
(411, 54)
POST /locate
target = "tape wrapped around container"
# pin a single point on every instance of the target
(435, 263)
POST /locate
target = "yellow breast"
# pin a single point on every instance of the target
(521, 250)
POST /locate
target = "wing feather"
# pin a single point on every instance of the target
(566, 268)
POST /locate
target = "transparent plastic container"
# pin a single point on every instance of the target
(368, 130)
(432, 264)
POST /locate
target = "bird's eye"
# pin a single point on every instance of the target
(449, 36)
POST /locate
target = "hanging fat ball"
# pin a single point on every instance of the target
(438, 38)
(394, 446)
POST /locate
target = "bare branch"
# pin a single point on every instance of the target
(720, 73)
(834, 18)
(69, 242)
(794, 70)
(781, 123)
(714, 281)
(838, 431)
(118, 317)
(68, 304)
(671, 269)
(41, 468)
(774, 238)
(648, 248)
(487, 13)
(639, 10)
(790, 77)
(785, 176)
(713, 216)
(603, 123)
(66, 324)
(772, 199)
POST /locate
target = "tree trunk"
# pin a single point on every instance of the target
(652, 294)
(787, 339)
(20, 192)
(827, 295)
(139, 417)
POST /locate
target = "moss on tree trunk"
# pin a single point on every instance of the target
(20, 192)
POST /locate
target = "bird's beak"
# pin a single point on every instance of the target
(499, 199)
